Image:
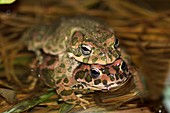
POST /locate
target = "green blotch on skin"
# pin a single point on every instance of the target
(62, 65)
(69, 69)
(58, 81)
(116, 68)
(80, 75)
(116, 54)
(63, 75)
(47, 72)
(66, 80)
(51, 62)
(78, 53)
(94, 59)
(103, 58)
(117, 76)
(48, 76)
(70, 50)
(106, 71)
(121, 76)
(59, 71)
(98, 81)
(96, 51)
(88, 78)
(74, 40)
(60, 76)
(110, 56)
(104, 82)
(112, 78)
(85, 60)
(111, 45)
(66, 92)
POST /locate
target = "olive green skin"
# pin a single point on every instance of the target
(68, 35)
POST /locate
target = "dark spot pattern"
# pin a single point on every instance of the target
(80, 75)
(112, 78)
(77, 52)
(66, 92)
(62, 65)
(121, 76)
(106, 71)
(104, 82)
(96, 82)
(88, 78)
(51, 61)
(117, 76)
(66, 80)
(116, 68)
(47, 72)
(85, 60)
(58, 81)
(103, 58)
(74, 40)
(119, 82)
(94, 59)
(125, 75)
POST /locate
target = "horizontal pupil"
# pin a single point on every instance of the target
(85, 49)
(94, 73)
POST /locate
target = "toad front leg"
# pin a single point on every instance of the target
(67, 93)
(66, 80)
(58, 74)
(54, 68)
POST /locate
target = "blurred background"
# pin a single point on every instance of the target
(142, 27)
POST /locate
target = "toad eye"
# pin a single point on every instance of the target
(95, 72)
(124, 66)
(86, 50)
(116, 44)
